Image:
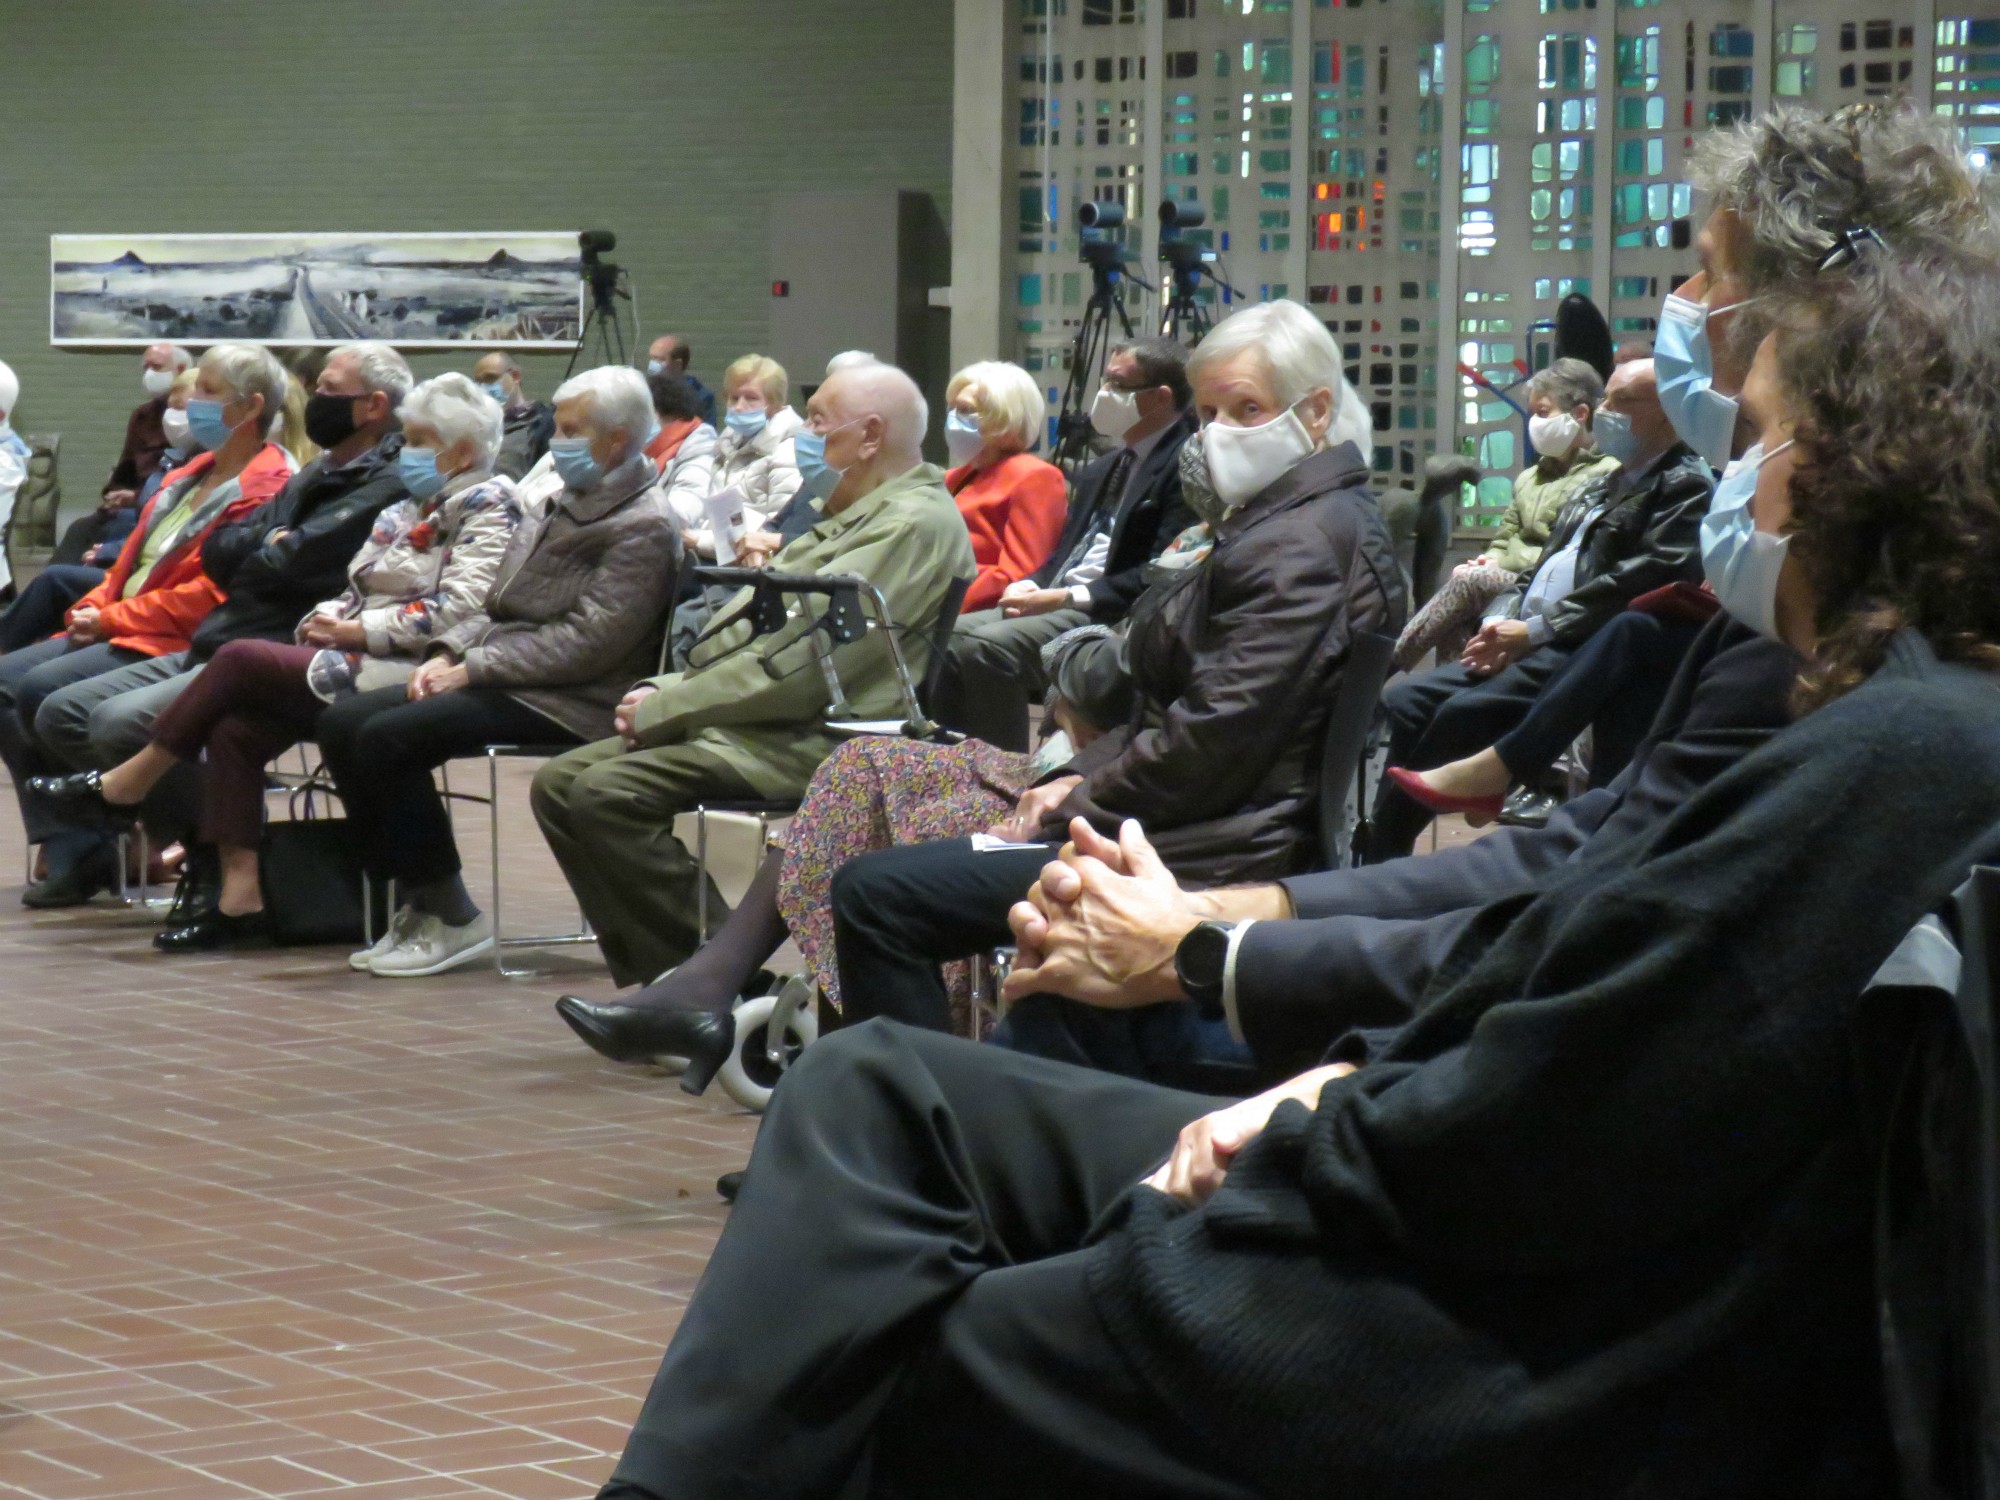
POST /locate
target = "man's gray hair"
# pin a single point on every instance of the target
(1798, 178)
(249, 370)
(380, 367)
(458, 409)
(1300, 355)
(181, 358)
(618, 397)
(850, 359)
(1568, 383)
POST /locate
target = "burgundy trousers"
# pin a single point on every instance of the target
(249, 704)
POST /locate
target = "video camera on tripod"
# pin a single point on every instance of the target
(607, 282)
(1110, 261)
(1184, 318)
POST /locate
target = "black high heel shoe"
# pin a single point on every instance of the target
(641, 1033)
(82, 792)
(215, 929)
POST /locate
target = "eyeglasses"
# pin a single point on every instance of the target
(1848, 246)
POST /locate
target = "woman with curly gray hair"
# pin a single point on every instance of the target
(1792, 193)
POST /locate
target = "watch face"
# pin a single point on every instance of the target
(1202, 954)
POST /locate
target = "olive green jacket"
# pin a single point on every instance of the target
(759, 702)
(1524, 530)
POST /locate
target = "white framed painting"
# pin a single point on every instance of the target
(417, 291)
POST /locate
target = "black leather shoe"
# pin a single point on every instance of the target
(1527, 807)
(215, 929)
(94, 873)
(729, 1184)
(81, 792)
(641, 1033)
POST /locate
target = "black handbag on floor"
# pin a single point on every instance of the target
(310, 871)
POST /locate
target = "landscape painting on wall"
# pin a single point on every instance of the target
(413, 290)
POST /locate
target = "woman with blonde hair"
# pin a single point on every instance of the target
(1013, 502)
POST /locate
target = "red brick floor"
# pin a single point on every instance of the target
(269, 1227)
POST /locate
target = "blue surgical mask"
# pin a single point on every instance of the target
(962, 438)
(1684, 365)
(656, 367)
(494, 389)
(819, 477)
(573, 462)
(418, 468)
(1613, 437)
(1743, 563)
(205, 423)
(746, 424)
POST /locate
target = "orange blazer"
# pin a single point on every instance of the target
(1014, 512)
(161, 617)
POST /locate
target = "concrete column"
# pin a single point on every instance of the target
(1451, 135)
(980, 232)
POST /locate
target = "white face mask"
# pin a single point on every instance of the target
(174, 423)
(1114, 413)
(157, 382)
(1243, 462)
(1554, 435)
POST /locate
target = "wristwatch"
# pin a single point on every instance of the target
(1199, 963)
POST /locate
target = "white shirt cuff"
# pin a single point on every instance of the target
(1229, 976)
(1539, 631)
(1079, 595)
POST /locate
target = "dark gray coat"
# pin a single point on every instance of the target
(1235, 664)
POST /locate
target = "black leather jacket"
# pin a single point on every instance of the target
(1648, 536)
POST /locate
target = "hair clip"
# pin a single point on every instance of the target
(1847, 247)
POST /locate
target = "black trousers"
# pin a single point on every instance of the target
(27, 677)
(38, 612)
(381, 748)
(899, 913)
(902, 1289)
(1441, 716)
(1612, 685)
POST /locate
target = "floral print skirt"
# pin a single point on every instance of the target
(876, 791)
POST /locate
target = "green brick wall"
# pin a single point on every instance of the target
(673, 122)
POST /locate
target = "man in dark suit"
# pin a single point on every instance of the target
(1125, 508)
(1634, 532)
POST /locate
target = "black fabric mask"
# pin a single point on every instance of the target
(330, 419)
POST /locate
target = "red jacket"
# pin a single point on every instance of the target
(161, 617)
(1014, 512)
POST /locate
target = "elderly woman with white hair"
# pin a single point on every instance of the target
(573, 619)
(424, 572)
(1013, 502)
(1235, 654)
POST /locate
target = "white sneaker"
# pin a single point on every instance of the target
(397, 931)
(430, 947)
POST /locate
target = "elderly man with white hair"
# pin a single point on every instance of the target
(573, 619)
(746, 719)
(266, 569)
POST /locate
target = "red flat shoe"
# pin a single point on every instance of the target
(1413, 786)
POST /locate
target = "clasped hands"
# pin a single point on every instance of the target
(337, 635)
(1499, 644)
(1025, 597)
(436, 677)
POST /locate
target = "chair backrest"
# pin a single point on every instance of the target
(31, 530)
(1346, 740)
(1933, 1096)
(940, 641)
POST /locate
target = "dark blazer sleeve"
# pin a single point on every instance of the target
(1165, 515)
(1085, 496)
(1661, 546)
(145, 441)
(1272, 600)
(312, 557)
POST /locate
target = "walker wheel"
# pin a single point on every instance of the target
(749, 1075)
